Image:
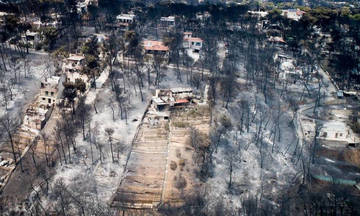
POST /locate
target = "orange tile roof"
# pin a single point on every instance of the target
(277, 39)
(155, 45)
(300, 12)
(193, 39)
(182, 101)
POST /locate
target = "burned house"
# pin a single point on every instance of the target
(37, 113)
(54, 21)
(168, 98)
(165, 100)
(36, 117)
(31, 38)
(49, 91)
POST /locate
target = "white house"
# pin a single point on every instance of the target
(125, 19)
(167, 21)
(74, 63)
(294, 14)
(193, 43)
(258, 13)
(337, 131)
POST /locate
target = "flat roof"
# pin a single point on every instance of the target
(181, 89)
(260, 13)
(168, 19)
(158, 101)
(125, 16)
(28, 33)
(74, 57)
(334, 126)
(52, 81)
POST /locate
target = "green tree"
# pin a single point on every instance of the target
(50, 35)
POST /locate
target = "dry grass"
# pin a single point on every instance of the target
(352, 156)
(199, 111)
(180, 178)
(182, 163)
(180, 124)
(167, 128)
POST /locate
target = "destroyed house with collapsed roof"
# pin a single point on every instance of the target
(166, 98)
(31, 38)
(36, 117)
(37, 113)
(49, 90)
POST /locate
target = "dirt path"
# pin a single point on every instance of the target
(161, 167)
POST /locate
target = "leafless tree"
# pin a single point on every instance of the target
(94, 133)
(120, 148)
(231, 158)
(109, 133)
(159, 66)
(60, 139)
(63, 200)
(203, 153)
(83, 114)
(9, 126)
(138, 68)
(112, 107)
(112, 47)
(45, 139)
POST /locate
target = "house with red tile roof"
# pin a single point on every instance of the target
(155, 47)
(191, 42)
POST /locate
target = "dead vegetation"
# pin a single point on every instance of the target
(180, 182)
(352, 156)
(161, 168)
(180, 124)
(173, 165)
(349, 155)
